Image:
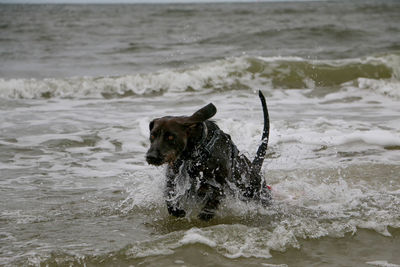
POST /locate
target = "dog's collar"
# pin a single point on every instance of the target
(206, 144)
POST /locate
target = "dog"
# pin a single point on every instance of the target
(199, 153)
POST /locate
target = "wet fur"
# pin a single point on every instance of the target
(194, 147)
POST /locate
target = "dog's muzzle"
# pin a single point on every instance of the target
(154, 158)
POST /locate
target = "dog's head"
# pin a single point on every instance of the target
(170, 136)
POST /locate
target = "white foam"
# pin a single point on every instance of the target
(145, 188)
(382, 264)
(231, 241)
(220, 75)
(282, 58)
(390, 60)
(235, 241)
(336, 137)
(215, 74)
(193, 236)
(384, 87)
(282, 238)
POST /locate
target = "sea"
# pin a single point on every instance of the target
(79, 85)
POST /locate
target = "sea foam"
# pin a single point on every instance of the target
(379, 74)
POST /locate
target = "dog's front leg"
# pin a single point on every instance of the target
(212, 196)
(171, 201)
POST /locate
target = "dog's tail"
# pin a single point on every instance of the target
(262, 149)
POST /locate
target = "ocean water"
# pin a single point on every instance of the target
(80, 83)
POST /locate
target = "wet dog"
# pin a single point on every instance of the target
(197, 151)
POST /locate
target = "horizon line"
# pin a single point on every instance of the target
(110, 2)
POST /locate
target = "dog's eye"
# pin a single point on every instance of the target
(169, 137)
(152, 137)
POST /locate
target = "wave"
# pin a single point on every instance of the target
(256, 238)
(378, 73)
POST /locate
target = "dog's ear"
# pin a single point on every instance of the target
(151, 124)
(202, 114)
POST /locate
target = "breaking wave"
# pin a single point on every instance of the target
(379, 73)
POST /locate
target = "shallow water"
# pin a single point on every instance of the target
(76, 190)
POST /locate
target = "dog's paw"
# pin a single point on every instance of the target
(205, 215)
(176, 212)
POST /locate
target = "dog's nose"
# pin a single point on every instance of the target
(152, 157)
